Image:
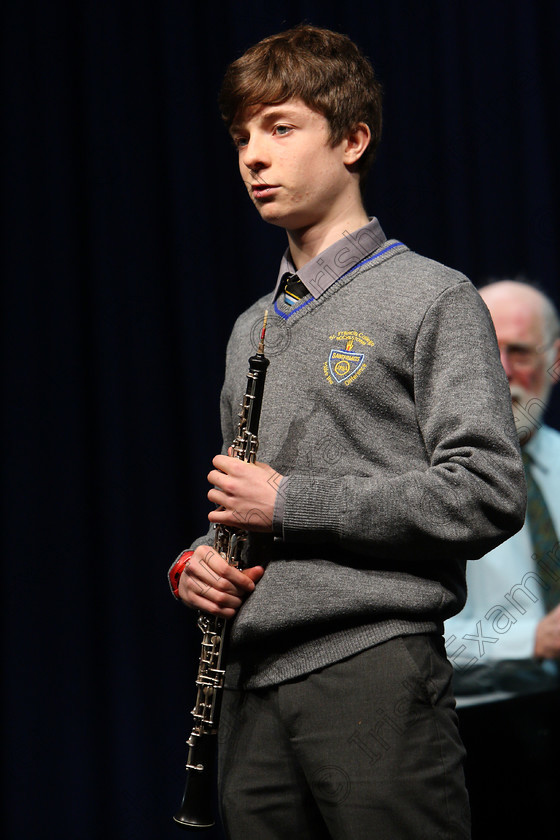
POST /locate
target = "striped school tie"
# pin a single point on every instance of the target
(293, 288)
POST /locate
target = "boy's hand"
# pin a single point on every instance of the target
(245, 493)
(210, 584)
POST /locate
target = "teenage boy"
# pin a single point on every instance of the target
(389, 457)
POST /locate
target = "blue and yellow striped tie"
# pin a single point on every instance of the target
(294, 289)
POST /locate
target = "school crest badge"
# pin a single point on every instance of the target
(347, 361)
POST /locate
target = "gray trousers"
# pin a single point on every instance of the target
(366, 748)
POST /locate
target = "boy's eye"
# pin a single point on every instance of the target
(282, 129)
(239, 142)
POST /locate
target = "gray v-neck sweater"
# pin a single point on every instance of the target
(387, 409)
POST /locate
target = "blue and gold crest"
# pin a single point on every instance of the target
(346, 363)
(343, 364)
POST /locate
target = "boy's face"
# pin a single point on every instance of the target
(293, 174)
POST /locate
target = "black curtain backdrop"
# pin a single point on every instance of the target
(128, 249)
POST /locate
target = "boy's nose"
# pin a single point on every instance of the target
(255, 156)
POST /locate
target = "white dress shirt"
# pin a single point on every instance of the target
(504, 601)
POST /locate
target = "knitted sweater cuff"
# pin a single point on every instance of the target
(312, 507)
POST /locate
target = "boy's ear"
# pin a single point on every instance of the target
(357, 141)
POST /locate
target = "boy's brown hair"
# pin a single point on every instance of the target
(324, 69)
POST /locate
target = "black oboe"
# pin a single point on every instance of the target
(196, 807)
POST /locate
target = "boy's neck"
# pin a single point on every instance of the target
(308, 243)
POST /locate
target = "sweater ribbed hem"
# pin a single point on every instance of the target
(311, 655)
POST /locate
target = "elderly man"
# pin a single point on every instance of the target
(505, 644)
(514, 590)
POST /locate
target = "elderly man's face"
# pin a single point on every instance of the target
(526, 351)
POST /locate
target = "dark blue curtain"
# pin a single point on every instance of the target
(128, 248)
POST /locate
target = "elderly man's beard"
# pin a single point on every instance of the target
(528, 410)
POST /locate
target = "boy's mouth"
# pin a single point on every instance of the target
(262, 190)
